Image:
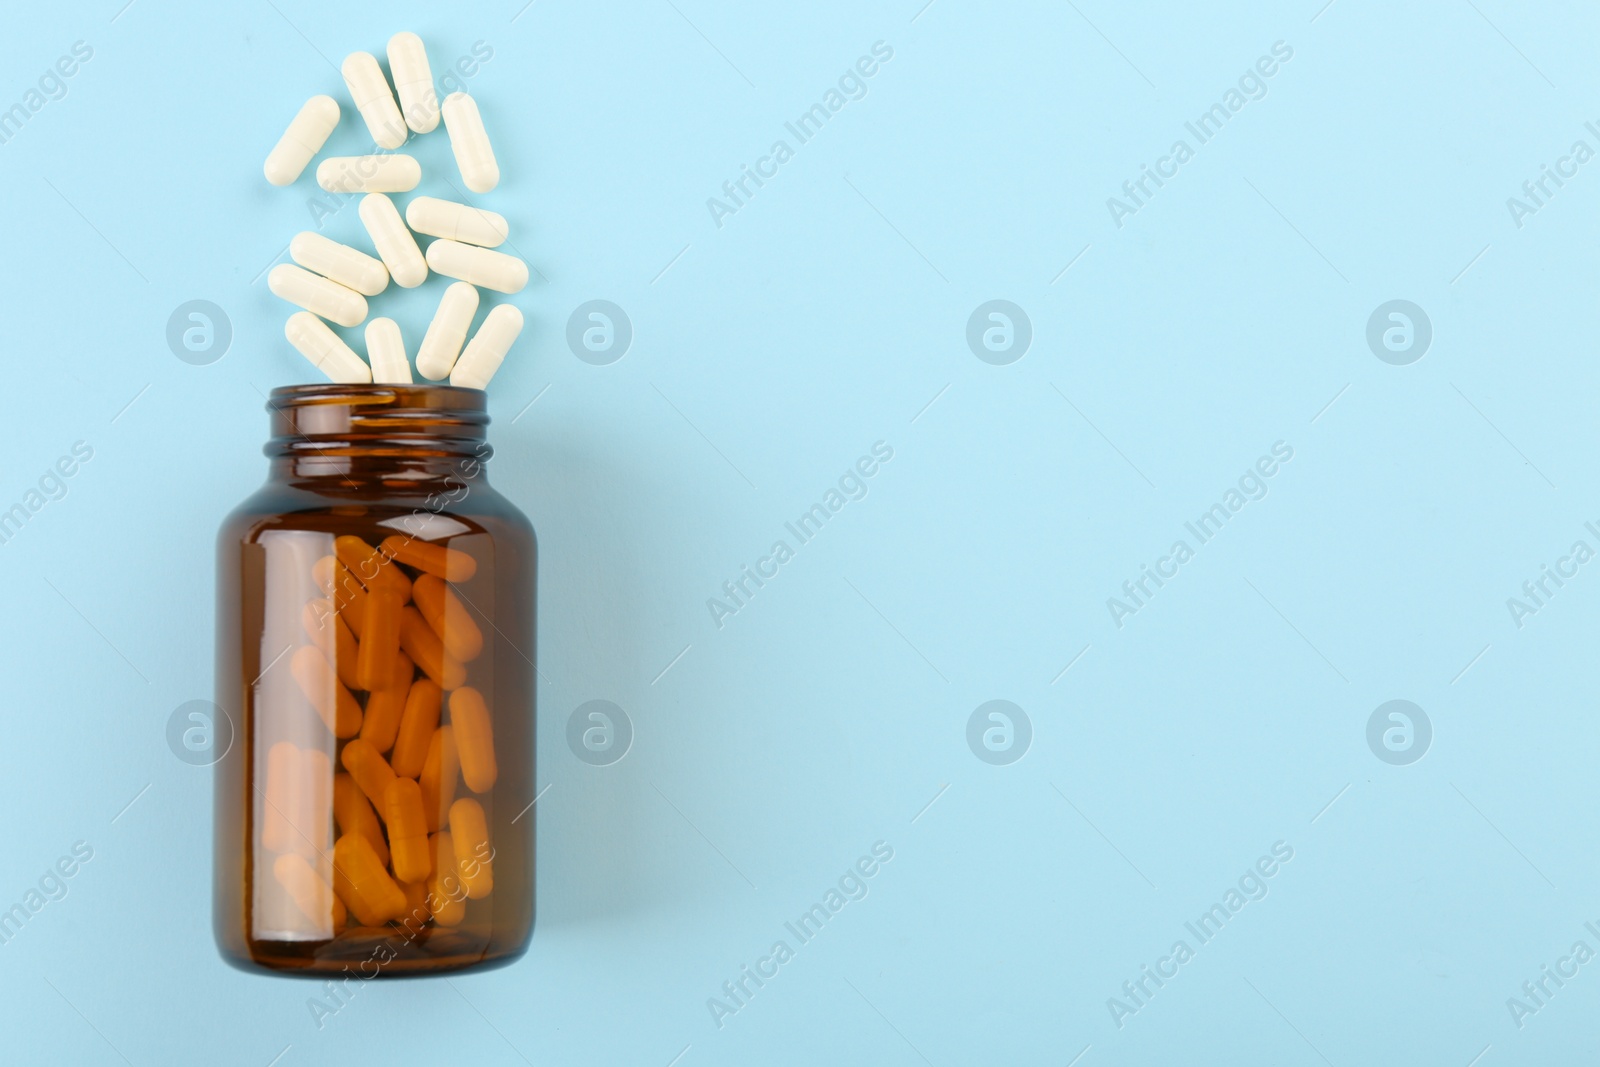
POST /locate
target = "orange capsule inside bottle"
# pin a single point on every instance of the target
(340, 586)
(448, 617)
(417, 725)
(474, 737)
(447, 895)
(354, 813)
(451, 564)
(311, 804)
(469, 833)
(440, 772)
(332, 636)
(408, 830)
(278, 832)
(361, 881)
(404, 672)
(417, 911)
(370, 567)
(316, 618)
(424, 646)
(311, 893)
(321, 686)
(382, 717)
(370, 770)
(380, 638)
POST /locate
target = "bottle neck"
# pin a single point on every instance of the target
(377, 438)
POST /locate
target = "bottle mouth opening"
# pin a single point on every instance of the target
(327, 419)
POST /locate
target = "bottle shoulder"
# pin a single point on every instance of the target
(282, 506)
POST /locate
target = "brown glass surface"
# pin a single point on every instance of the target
(369, 461)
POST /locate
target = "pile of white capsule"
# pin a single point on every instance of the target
(332, 281)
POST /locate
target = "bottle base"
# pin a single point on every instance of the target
(374, 953)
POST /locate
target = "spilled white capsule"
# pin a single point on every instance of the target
(456, 222)
(348, 266)
(395, 245)
(317, 294)
(413, 80)
(386, 351)
(470, 143)
(370, 91)
(480, 266)
(447, 332)
(308, 131)
(392, 173)
(488, 347)
(315, 340)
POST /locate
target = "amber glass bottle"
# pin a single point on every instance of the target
(375, 642)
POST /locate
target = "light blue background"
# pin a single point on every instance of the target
(827, 314)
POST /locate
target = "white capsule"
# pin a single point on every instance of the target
(304, 138)
(348, 266)
(392, 173)
(488, 347)
(317, 294)
(447, 332)
(386, 351)
(456, 222)
(413, 80)
(394, 242)
(470, 143)
(316, 341)
(364, 78)
(491, 270)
